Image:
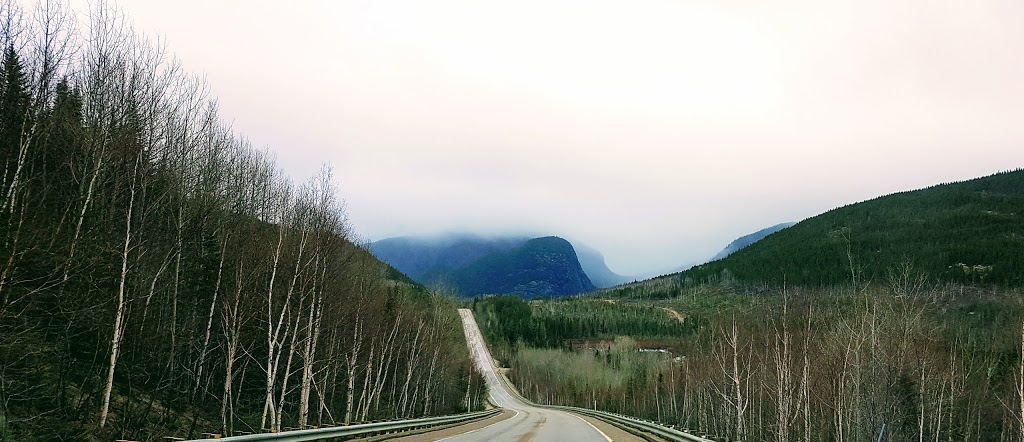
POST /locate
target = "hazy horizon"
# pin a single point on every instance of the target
(654, 131)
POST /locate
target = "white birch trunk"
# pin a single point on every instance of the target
(272, 333)
(200, 365)
(287, 374)
(118, 334)
(383, 369)
(1020, 385)
(351, 362)
(309, 350)
(414, 351)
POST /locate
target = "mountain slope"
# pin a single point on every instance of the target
(593, 264)
(971, 231)
(746, 240)
(473, 265)
(419, 257)
(541, 267)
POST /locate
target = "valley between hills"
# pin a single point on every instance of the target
(163, 278)
(903, 312)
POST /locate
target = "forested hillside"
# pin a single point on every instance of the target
(934, 363)
(420, 257)
(159, 276)
(539, 268)
(746, 240)
(966, 232)
(507, 321)
(902, 312)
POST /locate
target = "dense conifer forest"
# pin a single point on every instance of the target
(160, 276)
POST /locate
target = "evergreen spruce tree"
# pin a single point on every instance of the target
(14, 100)
(60, 150)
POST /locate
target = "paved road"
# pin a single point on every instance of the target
(529, 423)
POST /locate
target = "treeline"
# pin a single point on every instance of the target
(963, 233)
(506, 321)
(160, 276)
(930, 363)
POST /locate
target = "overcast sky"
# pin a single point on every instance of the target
(654, 131)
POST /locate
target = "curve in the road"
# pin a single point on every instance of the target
(530, 423)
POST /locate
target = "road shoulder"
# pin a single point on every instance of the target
(456, 430)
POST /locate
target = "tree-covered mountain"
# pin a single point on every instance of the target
(418, 257)
(746, 240)
(472, 265)
(970, 231)
(540, 268)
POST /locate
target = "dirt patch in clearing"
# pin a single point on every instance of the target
(674, 314)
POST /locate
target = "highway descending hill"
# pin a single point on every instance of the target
(529, 423)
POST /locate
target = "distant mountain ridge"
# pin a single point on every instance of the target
(472, 265)
(594, 265)
(746, 240)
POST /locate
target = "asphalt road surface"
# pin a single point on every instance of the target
(528, 423)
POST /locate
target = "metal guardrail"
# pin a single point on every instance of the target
(618, 420)
(359, 430)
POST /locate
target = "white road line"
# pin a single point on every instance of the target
(489, 426)
(592, 426)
